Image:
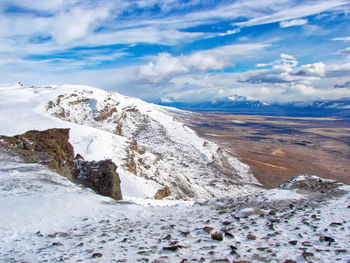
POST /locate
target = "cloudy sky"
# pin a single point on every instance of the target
(274, 50)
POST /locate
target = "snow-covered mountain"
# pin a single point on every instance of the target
(154, 152)
(248, 105)
(340, 104)
(220, 104)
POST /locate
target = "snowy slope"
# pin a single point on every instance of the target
(45, 218)
(151, 149)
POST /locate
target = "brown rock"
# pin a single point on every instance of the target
(293, 242)
(162, 193)
(207, 229)
(105, 114)
(307, 255)
(217, 236)
(251, 237)
(172, 248)
(50, 147)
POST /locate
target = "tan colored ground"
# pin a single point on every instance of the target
(280, 148)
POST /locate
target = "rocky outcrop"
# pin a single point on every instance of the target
(162, 193)
(100, 176)
(311, 184)
(52, 148)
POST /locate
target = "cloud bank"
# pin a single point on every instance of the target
(273, 50)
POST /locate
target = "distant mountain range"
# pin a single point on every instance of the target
(247, 105)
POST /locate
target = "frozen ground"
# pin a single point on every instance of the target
(45, 218)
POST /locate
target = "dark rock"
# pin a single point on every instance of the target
(329, 239)
(289, 261)
(78, 157)
(172, 248)
(57, 244)
(306, 244)
(217, 236)
(167, 237)
(307, 255)
(272, 212)
(326, 239)
(99, 176)
(229, 235)
(251, 237)
(173, 243)
(335, 224)
(185, 233)
(293, 242)
(97, 255)
(341, 251)
(207, 229)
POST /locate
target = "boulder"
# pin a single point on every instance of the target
(162, 193)
(308, 183)
(99, 176)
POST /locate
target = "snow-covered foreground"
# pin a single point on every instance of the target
(152, 150)
(45, 218)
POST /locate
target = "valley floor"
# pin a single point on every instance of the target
(280, 148)
(45, 218)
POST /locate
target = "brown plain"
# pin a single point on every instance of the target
(280, 148)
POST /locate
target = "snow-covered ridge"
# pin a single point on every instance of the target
(153, 151)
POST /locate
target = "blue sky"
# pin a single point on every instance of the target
(273, 50)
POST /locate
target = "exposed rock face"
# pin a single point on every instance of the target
(52, 148)
(310, 184)
(49, 147)
(100, 176)
(162, 193)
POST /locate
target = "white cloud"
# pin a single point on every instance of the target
(287, 12)
(311, 70)
(77, 23)
(341, 39)
(204, 61)
(167, 67)
(149, 34)
(295, 22)
(230, 32)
